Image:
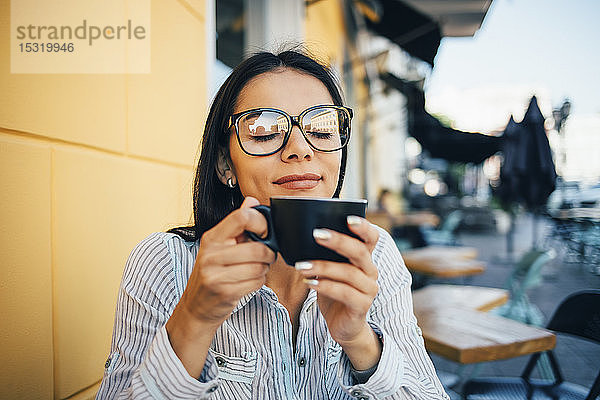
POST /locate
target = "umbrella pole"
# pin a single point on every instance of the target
(508, 259)
(509, 239)
(534, 230)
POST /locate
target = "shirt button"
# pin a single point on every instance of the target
(212, 388)
(418, 330)
(302, 362)
(220, 361)
(356, 393)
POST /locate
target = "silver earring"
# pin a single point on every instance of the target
(230, 185)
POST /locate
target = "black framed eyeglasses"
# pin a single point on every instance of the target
(265, 131)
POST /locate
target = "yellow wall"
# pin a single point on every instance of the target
(89, 164)
(324, 30)
(327, 37)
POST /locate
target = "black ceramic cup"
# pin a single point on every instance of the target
(291, 221)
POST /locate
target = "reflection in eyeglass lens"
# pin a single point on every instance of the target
(322, 128)
(264, 131)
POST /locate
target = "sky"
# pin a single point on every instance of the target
(549, 48)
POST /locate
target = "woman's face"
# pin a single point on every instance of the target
(297, 169)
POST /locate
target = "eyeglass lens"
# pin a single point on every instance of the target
(263, 131)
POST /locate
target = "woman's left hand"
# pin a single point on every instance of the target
(345, 291)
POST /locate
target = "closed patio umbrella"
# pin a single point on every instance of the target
(508, 192)
(528, 175)
(511, 171)
(541, 175)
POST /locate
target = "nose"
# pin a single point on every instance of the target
(296, 148)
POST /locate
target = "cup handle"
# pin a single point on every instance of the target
(269, 241)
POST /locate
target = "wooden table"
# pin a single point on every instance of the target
(418, 218)
(389, 221)
(428, 252)
(469, 336)
(462, 296)
(443, 261)
(592, 214)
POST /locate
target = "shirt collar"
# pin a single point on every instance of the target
(245, 299)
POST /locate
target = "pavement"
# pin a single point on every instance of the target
(579, 361)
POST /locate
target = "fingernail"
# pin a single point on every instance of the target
(311, 282)
(303, 265)
(321, 234)
(354, 220)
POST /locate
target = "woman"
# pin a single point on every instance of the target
(224, 317)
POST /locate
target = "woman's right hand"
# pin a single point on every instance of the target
(228, 266)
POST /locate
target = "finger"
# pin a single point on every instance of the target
(364, 230)
(237, 274)
(235, 224)
(248, 252)
(339, 272)
(353, 249)
(338, 291)
(235, 290)
(251, 286)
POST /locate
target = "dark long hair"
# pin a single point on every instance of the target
(212, 199)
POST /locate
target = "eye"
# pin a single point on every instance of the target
(264, 138)
(320, 135)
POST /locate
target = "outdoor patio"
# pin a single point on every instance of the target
(559, 280)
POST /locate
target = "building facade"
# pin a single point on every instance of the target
(92, 163)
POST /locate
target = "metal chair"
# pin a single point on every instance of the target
(577, 316)
(445, 235)
(526, 274)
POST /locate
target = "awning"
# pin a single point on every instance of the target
(456, 18)
(410, 29)
(451, 144)
(418, 26)
(441, 141)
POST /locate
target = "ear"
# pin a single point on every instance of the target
(223, 167)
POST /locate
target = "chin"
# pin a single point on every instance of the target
(306, 193)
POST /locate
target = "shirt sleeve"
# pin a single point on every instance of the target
(143, 364)
(405, 370)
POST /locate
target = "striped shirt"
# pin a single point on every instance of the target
(252, 356)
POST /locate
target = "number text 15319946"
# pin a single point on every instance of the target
(48, 47)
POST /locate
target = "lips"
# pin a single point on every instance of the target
(304, 181)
